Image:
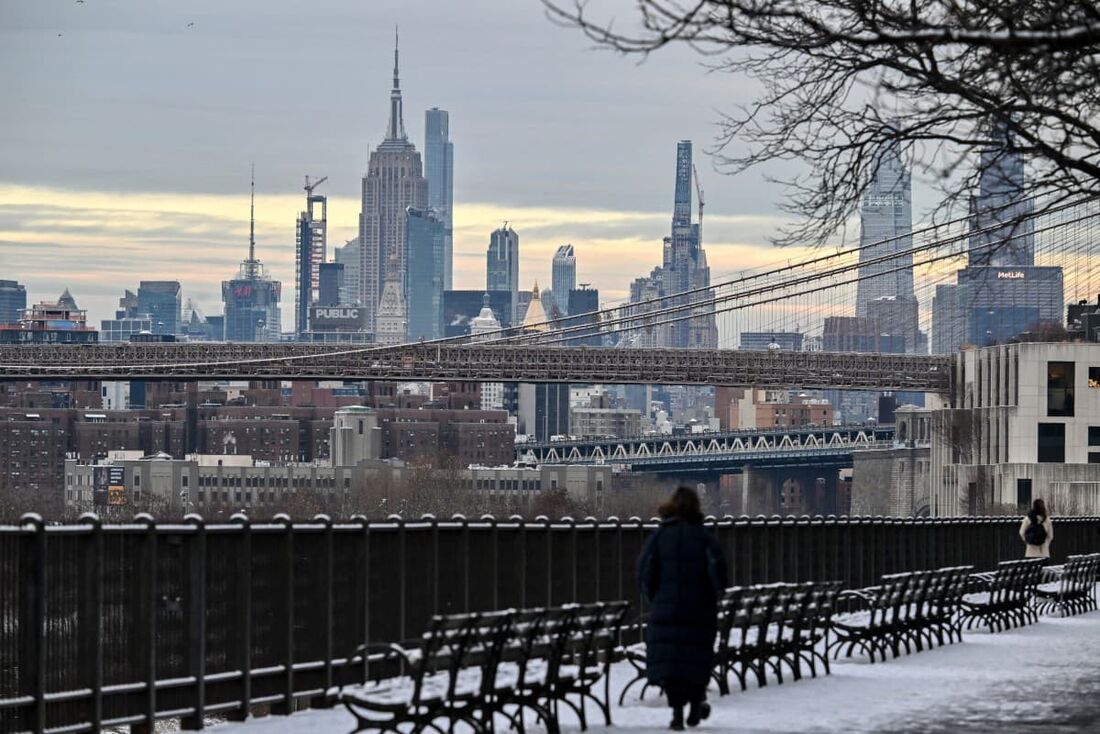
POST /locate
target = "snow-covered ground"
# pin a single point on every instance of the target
(1042, 678)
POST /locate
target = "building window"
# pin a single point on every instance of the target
(1094, 377)
(1094, 435)
(1023, 494)
(1094, 457)
(183, 480)
(1060, 388)
(1052, 443)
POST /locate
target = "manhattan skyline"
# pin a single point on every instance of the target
(114, 172)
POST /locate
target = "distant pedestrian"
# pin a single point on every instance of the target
(1036, 530)
(682, 572)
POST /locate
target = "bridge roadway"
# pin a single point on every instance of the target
(476, 363)
(718, 453)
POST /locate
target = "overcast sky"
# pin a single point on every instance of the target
(126, 135)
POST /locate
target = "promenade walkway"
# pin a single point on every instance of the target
(1041, 678)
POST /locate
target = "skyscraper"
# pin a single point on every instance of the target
(439, 170)
(1000, 224)
(309, 254)
(348, 256)
(251, 299)
(1001, 292)
(161, 300)
(563, 277)
(425, 236)
(502, 267)
(585, 300)
(886, 226)
(685, 263)
(543, 408)
(394, 182)
(391, 320)
(332, 284)
(13, 299)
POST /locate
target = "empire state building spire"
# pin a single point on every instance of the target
(396, 129)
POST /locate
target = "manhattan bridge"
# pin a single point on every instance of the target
(795, 295)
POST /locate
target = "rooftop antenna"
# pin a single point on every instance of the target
(251, 270)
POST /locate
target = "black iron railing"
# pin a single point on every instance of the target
(125, 624)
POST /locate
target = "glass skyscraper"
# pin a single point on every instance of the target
(886, 226)
(1001, 293)
(13, 299)
(563, 278)
(502, 267)
(439, 170)
(424, 241)
(161, 300)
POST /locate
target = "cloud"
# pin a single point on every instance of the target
(99, 243)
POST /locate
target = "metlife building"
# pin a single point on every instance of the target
(988, 305)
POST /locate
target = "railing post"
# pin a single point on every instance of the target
(285, 706)
(243, 583)
(89, 624)
(33, 673)
(146, 623)
(494, 539)
(522, 558)
(364, 584)
(195, 620)
(326, 700)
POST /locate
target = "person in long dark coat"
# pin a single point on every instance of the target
(682, 573)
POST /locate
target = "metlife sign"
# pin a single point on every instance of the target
(337, 318)
(1011, 275)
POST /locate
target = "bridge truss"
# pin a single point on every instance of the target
(477, 363)
(713, 452)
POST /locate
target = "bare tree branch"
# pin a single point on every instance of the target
(840, 80)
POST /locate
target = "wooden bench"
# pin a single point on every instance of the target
(1002, 599)
(1075, 590)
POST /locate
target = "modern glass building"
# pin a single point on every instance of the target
(584, 300)
(502, 269)
(13, 299)
(439, 171)
(424, 243)
(886, 227)
(331, 279)
(1001, 293)
(563, 278)
(160, 299)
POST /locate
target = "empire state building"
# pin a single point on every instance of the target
(394, 182)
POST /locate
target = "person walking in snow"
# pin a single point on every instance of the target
(1036, 530)
(682, 573)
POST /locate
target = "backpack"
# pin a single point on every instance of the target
(1035, 533)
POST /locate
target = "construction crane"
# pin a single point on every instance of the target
(309, 187)
(699, 194)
